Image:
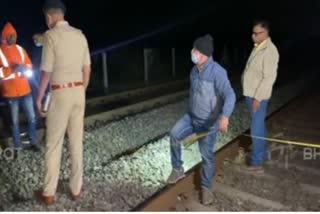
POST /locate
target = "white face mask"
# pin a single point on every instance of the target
(194, 58)
(38, 44)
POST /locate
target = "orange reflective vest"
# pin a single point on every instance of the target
(13, 83)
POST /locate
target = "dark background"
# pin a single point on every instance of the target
(105, 22)
(294, 26)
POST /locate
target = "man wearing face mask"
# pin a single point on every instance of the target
(65, 63)
(211, 103)
(38, 40)
(257, 80)
(15, 69)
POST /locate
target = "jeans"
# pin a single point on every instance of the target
(27, 104)
(34, 84)
(258, 129)
(182, 129)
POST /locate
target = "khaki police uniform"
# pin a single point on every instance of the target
(65, 52)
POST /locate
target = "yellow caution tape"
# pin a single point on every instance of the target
(194, 137)
(285, 141)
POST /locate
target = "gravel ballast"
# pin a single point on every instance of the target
(123, 183)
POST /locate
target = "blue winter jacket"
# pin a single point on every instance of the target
(211, 94)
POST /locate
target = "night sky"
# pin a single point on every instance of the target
(106, 22)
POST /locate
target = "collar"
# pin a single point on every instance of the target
(61, 23)
(262, 44)
(205, 65)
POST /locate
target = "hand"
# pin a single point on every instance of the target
(38, 39)
(19, 67)
(255, 105)
(39, 106)
(16, 67)
(223, 124)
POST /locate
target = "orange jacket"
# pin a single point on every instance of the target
(13, 83)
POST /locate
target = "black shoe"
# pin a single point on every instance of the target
(35, 148)
(26, 146)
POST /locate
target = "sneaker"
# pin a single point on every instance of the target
(207, 196)
(24, 139)
(26, 146)
(25, 142)
(175, 176)
(32, 147)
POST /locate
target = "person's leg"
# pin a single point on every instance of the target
(206, 148)
(28, 106)
(14, 111)
(57, 120)
(75, 133)
(258, 129)
(182, 129)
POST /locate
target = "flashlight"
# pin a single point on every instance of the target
(28, 73)
(46, 102)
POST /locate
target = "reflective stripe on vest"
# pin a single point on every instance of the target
(4, 63)
(3, 59)
(21, 53)
(10, 77)
(1, 73)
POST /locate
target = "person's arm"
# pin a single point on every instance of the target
(47, 62)
(270, 66)
(86, 76)
(27, 60)
(86, 69)
(6, 71)
(44, 82)
(26, 69)
(226, 91)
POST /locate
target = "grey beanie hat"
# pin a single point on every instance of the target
(204, 45)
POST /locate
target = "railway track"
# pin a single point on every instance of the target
(291, 178)
(116, 106)
(130, 193)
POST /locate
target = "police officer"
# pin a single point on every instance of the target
(66, 65)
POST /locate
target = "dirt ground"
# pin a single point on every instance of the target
(288, 183)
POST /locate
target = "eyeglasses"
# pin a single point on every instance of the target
(257, 33)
